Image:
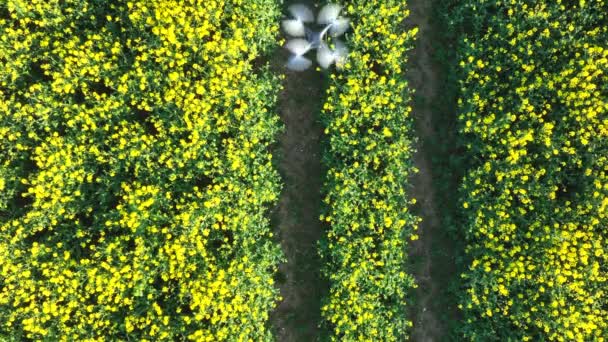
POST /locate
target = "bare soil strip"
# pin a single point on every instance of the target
(297, 216)
(432, 255)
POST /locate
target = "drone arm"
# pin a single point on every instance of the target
(324, 32)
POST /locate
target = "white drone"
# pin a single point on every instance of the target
(329, 16)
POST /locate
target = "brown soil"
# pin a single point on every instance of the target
(297, 216)
(431, 254)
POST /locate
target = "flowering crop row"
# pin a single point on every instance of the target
(534, 116)
(367, 120)
(134, 170)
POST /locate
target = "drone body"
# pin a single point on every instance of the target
(309, 39)
(313, 37)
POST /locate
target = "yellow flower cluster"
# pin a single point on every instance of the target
(134, 170)
(534, 115)
(368, 124)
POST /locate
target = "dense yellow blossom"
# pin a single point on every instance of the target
(134, 170)
(368, 124)
(534, 115)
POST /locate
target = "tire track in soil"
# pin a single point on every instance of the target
(431, 255)
(296, 217)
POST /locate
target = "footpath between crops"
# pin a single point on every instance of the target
(296, 218)
(433, 256)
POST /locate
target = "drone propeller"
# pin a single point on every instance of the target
(341, 53)
(328, 14)
(339, 26)
(294, 27)
(326, 56)
(298, 63)
(298, 46)
(301, 14)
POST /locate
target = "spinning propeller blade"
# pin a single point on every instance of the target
(339, 26)
(328, 14)
(298, 63)
(294, 27)
(302, 12)
(298, 46)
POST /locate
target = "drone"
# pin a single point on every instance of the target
(307, 39)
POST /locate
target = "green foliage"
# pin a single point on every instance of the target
(134, 170)
(534, 116)
(368, 123)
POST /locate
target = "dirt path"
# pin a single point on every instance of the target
(297, 215)
(431, 254)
